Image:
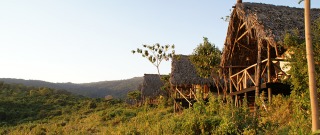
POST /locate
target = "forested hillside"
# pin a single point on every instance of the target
(117, 89)
(20, 104)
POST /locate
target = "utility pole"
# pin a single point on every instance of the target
(311, 68)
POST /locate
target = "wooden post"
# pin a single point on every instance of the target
(175, 93)
(202, 91)
(258, 77)
(174, 100)
(236, 100)
(246, 96)
(230, 74)
(269, 74)
(174, 106)
(244, 80)
(238, 86)
(225, 88)
(216, 82)
(230, 83)
(311, 69)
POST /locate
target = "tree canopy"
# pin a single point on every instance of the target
(205, 57)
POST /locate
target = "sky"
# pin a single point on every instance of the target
(83, 41)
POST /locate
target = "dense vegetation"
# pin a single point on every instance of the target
(30, 110)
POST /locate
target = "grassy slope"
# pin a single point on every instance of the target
(27, 110)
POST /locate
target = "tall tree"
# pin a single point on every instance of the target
(156, 53)
(311, 68)
(205, 58)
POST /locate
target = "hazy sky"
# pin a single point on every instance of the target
(91, 40)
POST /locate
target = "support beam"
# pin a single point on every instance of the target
(216, 82)
(184, 97)
(239, 38)
(258, 77)
(245, 47)
(233, 66)
(243, 24)
(230, 82)
(195, 96)
(230, 74)
(225, 88)
(236, 100)
(174, 106)
(246, 96)
(269, 73)
(277, 53)
(234, 42)
(247, 31)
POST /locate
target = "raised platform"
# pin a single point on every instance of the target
(277, 88)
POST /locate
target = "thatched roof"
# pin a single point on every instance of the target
(274, 21)
(262, 23)
(151, 86)
(183, 72)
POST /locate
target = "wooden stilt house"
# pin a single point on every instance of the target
(187, 85)
(252, 46)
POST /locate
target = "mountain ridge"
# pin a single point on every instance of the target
(115, 88)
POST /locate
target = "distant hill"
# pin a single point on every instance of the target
(118, 89)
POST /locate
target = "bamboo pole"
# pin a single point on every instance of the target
(311, 69)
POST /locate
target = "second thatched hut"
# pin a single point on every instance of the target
(187, 85)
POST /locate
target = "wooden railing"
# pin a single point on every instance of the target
(246, 77)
